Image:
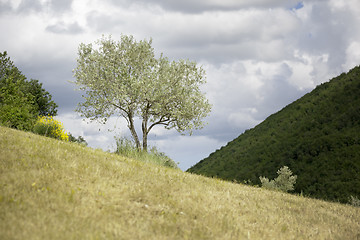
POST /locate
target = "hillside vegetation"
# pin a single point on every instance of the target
(50, 189)
(317, 137)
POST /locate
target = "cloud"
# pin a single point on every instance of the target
(5, 7)
(97, 135)
(352, 55)
(189, 6)
(63, 28)
(60, 6)
(28, 6)
(244, 93)
(209, 36)
(55, 7)
(325, 30)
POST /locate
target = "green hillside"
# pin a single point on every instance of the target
(317, 136)
(51, 189)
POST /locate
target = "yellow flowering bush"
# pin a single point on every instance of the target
(49, 127)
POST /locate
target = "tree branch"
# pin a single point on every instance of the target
(163, 121)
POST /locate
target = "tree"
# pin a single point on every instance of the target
(284, 182)
(126, 79)
(21, 101)
(16, 106)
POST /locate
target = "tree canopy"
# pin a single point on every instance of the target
(21, 100)
(125, 78)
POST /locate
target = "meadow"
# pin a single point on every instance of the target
(51, 189)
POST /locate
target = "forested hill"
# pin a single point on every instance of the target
(317, 137)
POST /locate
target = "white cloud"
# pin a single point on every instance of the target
(96, 134)
(352, 55)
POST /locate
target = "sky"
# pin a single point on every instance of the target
(259, 56)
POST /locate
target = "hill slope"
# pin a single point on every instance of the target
(317, 136)
(56, 190)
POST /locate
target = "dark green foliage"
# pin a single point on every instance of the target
(317, 136)
(16, 107)
(21, 101)
(42, 98)
(79, 139)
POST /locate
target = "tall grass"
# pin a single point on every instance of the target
(127, 148)
(51, 189)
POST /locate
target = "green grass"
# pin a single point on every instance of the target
(51, 189)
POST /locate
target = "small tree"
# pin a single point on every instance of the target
(124, 78)
(284, 182)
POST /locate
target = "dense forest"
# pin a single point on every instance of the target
(317, 137)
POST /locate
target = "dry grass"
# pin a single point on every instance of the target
(55, 190)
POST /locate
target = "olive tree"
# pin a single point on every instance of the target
(125, 78)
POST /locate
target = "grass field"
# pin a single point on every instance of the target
(51, 189)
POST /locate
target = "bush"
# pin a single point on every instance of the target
(79, 139)
(284, 182)
(127, 148)
(354, 201)
(49, 127)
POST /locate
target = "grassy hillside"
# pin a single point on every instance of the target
(51, 189)
(317, 136)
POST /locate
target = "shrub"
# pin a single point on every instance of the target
(79, 139)
(284, 182)
(49, 127)
(354, 201)
(127, 148)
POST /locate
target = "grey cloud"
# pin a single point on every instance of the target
(326, 31)
(190, 6)
(5, 7)
(55, 75)
(277, 92)
(27, 6)
(60, 5)
(62, 28)
(210, 36)
(101, 22)
(53, 6)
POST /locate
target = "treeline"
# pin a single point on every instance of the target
(317, 137)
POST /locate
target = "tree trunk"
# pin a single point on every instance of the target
(145, 141)
(133, 133)
(145, 132)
